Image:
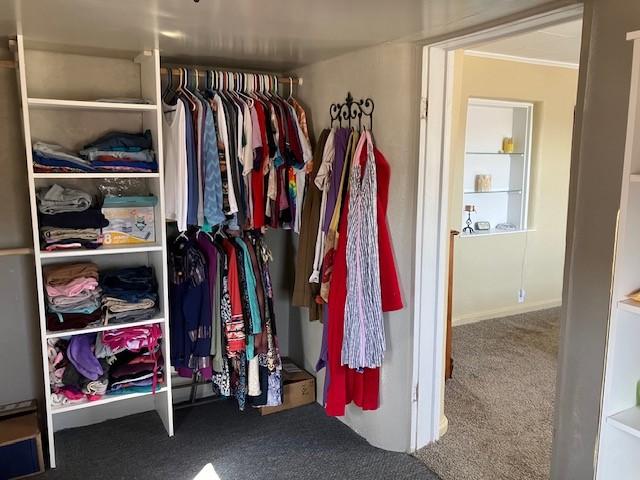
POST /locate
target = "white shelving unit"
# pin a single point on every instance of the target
(488, 122)
(55, 104)
(619, 439)
(55, 108)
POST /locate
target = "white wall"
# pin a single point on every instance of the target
(389, 75)
(21, 370)
(534, 259)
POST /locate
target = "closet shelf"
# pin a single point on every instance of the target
(58, 176)
(104, 250)
(493, 191)
(634, 178)
(627, 421)
(101, 328)
(493, 153)
(55, 104)
(629, 305)
(104, 400)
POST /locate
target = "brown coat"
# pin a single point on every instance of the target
(304, 293)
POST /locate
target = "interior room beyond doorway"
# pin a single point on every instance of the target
(511, 122)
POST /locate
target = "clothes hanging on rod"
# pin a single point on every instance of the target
(222, 317)
(236, 151)
(345, 263)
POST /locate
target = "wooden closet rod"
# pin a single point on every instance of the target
(5, 252)
(202, 72)
(7, 64)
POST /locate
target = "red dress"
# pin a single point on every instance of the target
(347, 385)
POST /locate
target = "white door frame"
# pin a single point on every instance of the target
(432, 236)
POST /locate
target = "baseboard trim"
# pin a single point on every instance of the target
(505, 311)
(444, 426)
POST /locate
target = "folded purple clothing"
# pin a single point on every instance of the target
(80, 354)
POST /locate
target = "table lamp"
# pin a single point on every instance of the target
(469, 209)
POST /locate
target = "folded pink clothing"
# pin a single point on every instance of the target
(75, 299)
(72, 393)
(73, 288)
(132, 338)
(62, 246)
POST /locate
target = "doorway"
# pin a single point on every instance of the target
(505, 210)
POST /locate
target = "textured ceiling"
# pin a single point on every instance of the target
(560, 43)
(277, 34)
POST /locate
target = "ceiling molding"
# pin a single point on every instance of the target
(515, 58)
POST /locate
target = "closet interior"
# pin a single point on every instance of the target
(151, 190)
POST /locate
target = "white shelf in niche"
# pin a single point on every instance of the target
(54, 176)
(104, 250)
(634, 178)
(513, 192)
(55, 104)
(629, 306)
(105, 399)
(627, 421)
(496, 153)
(102, 328)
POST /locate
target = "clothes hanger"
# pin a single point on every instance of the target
(167, 87)
(200, 230)
(190, 97)
(290, 89)
(240, 93)
(220, 232)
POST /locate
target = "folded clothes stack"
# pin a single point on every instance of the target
(86, 367)
(122, 152)
(129, 294)
(73, 296)
(67, 219)
(136, 360)
(75, 374)
(52, 158)
(133, 373)
(113, 152)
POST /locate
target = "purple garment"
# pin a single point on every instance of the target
(211, 254)
(341, 140)
(324, 354)
(80, 354)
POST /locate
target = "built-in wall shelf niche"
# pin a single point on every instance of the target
(497, 163)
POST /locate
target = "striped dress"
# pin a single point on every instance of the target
(364, 340)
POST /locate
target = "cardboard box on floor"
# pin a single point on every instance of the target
(299, 388)
(20, 441)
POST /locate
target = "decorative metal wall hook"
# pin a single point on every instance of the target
(351, 110)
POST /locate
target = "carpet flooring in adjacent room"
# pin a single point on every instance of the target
(499, 402)
(300, 444)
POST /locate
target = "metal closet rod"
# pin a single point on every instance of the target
(202, 72)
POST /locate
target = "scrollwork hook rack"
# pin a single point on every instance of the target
(352, 110)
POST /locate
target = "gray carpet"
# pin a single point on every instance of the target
(301, 444)
(499, 402)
